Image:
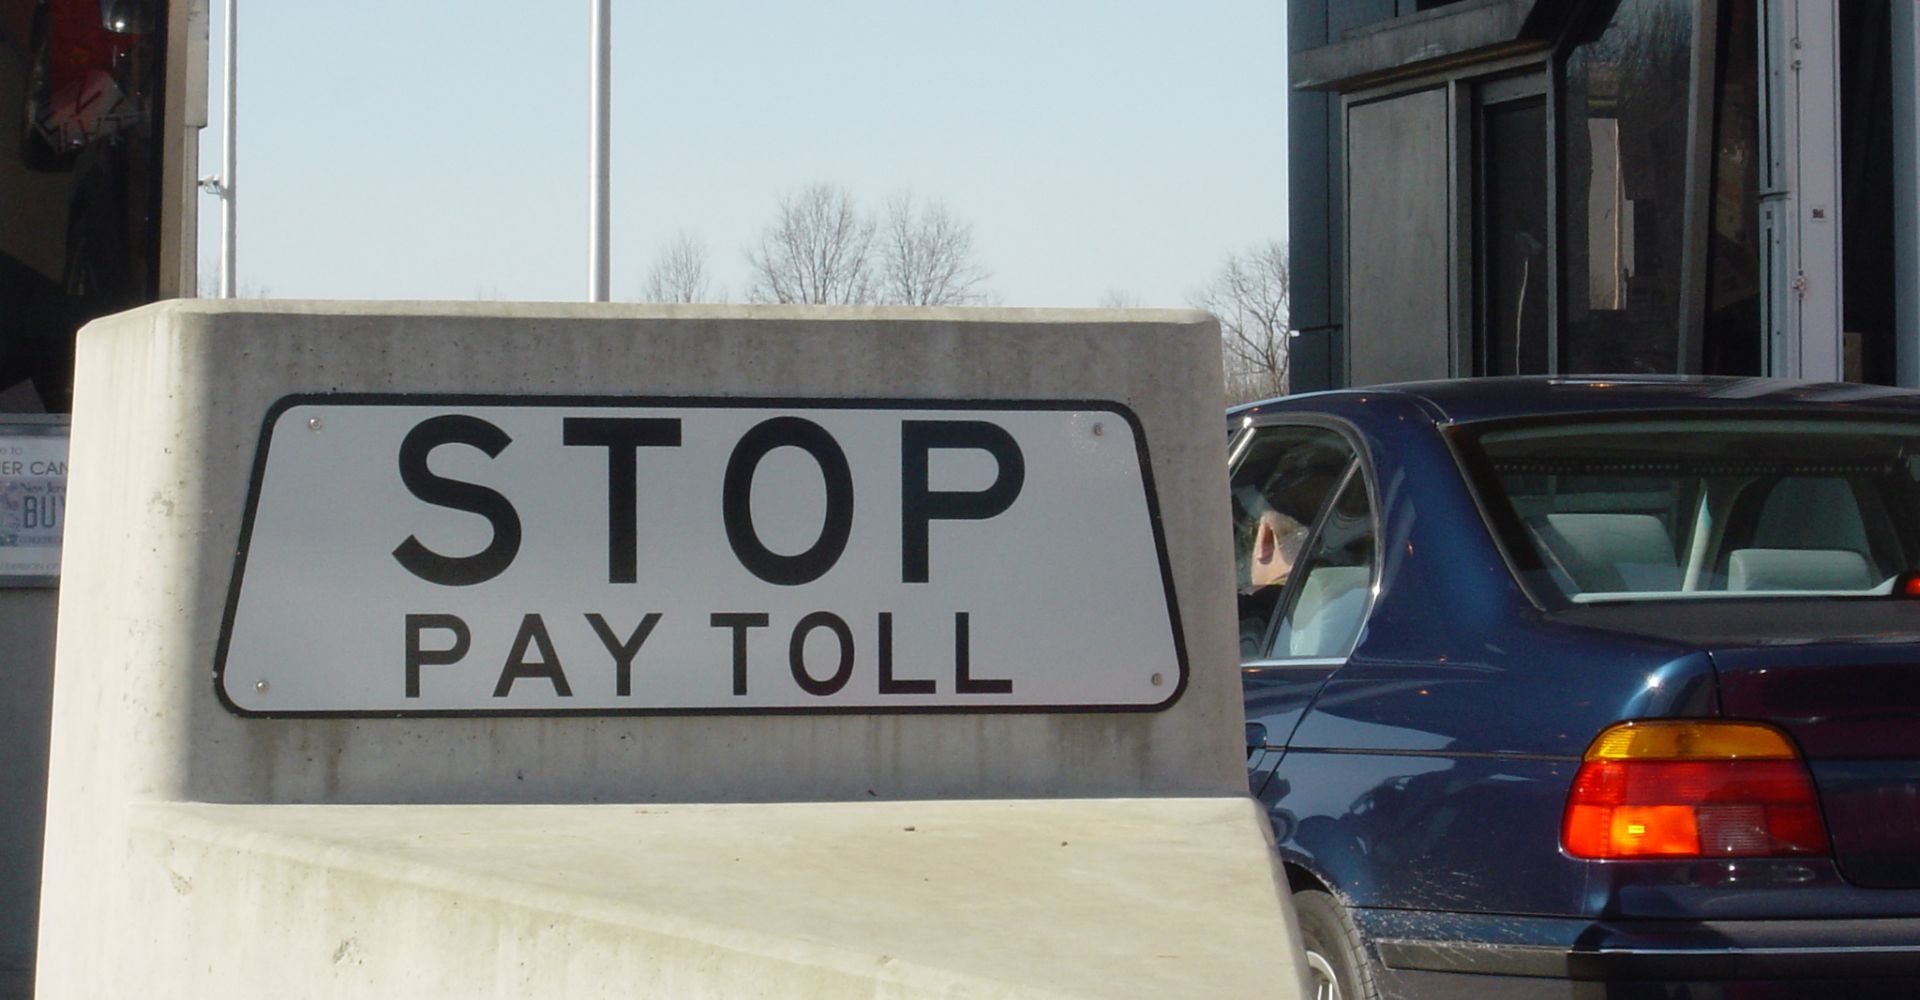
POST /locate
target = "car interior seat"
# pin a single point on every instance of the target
(1797, 569)
(1326, 616)
(1611, 553)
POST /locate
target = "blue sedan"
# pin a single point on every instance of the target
(1601, 687)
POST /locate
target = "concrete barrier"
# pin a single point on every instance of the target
(319, 731)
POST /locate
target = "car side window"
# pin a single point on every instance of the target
(1331, 599)
(1285, 477)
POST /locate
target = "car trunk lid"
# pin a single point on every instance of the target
(1854, 709)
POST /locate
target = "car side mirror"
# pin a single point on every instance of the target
(1256, 738)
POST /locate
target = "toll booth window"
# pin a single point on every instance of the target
(1284, 478)
(1732, 339)
(80, 90)
(1623, 141)
(1512, 235)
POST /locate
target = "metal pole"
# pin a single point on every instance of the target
(228, 117)
(599, 70)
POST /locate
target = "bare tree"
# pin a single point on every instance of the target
(1248, 295)
(679, 273)
(246, 287)
(818, 250)
(1119, 298)
(926, 257)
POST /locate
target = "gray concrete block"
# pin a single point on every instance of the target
(169, 407)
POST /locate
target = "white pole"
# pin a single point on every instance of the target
(228, 117)
(1800, 189)
(599, 69)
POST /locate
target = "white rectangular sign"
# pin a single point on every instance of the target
(33, 500)
(409, 555)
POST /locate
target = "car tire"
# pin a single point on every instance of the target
(1335, 955)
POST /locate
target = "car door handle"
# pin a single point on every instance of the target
(1256, 737)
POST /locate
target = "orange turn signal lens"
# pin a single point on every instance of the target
(1690, 739)
(1692, 789)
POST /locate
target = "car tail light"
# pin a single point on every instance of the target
(1692, 789)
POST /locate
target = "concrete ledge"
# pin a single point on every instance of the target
(1078, 898)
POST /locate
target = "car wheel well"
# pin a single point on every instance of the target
(1299, 879)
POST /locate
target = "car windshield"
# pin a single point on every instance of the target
(1681, 507)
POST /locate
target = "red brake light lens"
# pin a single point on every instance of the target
(1690, 789)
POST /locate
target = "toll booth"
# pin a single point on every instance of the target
(1498, 187)
(101, 103)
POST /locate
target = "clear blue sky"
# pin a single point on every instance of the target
(437, 148)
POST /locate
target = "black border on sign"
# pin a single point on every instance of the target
(258, 478)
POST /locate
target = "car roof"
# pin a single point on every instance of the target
(1471, 399)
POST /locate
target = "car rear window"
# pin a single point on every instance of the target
(1680, 507)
